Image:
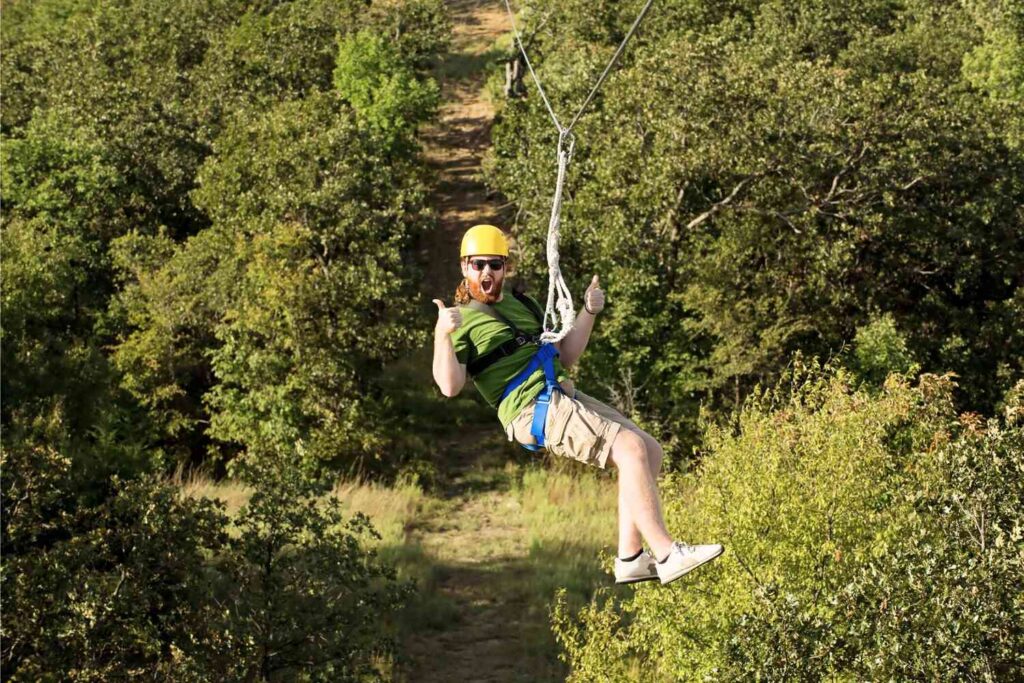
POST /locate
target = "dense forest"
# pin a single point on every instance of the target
(809, 221)
(764, 177)
(768, 181)
(208, 209)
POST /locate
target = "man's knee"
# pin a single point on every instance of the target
(629, 447)
(655, 454)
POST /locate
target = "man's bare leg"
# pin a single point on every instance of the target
(630, 539)
(639, 508)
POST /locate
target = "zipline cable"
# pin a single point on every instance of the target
(559, 304)
(611, 63)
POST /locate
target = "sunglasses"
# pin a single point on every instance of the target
(494, 263)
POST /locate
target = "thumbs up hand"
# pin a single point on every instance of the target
(593, 299)
(448, 319)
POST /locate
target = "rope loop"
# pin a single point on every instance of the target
(565, 136)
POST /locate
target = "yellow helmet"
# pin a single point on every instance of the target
(484, 239)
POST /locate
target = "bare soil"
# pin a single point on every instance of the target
(456, 145)
(477, 545)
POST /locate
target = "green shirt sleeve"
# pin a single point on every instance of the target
(460, 340)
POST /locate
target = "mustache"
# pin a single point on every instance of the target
(477, 292)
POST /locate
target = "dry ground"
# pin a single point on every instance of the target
(457, 143)
(485, 628)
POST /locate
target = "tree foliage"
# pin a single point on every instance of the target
(372, 77)
(868, 537)
(205, 235)
(764, 177)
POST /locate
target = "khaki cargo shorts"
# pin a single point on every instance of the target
(581, 428)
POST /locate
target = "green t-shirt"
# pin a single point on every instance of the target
(483, 333)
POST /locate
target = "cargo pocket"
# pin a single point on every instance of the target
(580, 438)
(571, 434)
(560, 413)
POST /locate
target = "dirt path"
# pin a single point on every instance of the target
(477, 545)
(480, 553)
(456, 145)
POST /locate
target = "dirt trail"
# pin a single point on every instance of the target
(481, 553)
(456, 144)
(478, 544)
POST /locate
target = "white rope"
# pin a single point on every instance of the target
(559, 296)
(559, 305)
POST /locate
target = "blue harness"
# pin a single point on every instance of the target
(544, 358)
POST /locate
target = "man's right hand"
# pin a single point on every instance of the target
(448, 319)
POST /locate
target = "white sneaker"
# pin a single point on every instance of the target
(684, 558)
(640, 569)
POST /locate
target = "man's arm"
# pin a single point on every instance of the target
(573, 344)
(449, 373)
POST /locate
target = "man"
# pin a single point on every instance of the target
(493, 337)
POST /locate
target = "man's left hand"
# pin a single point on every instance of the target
(593, 299)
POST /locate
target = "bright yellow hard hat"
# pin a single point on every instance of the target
(484, 239)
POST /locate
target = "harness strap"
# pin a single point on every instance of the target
(478, 365)
(544, 358)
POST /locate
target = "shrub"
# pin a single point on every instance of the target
(106, 591)
(308, 602)
(867, 537)
(154, 584)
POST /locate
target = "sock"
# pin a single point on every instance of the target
(630, 559)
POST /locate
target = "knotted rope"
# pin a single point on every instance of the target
(559, 305)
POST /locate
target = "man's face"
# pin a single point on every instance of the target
(485, 283)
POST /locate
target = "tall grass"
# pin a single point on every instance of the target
(196, 484)
(395, 511)
(569, 513)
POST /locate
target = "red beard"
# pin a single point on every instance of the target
(485, 297)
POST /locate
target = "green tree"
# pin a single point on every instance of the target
(98, 141)
(372, 76)
(204, 248)
(298, 292)
(111, 111)
(61, 193)
(996, 65)
(869, 535)
(759, 178)
(309, 602)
